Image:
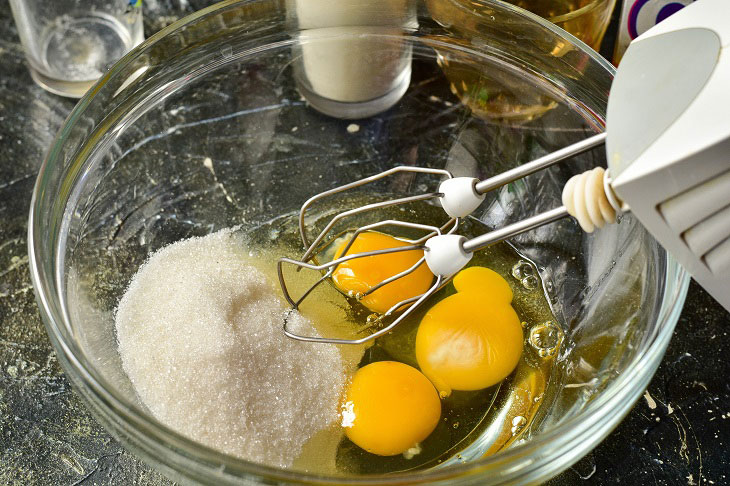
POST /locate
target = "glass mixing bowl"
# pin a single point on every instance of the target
(209, 124)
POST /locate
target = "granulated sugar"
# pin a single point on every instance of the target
(200, 337)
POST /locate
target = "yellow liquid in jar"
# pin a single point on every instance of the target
(491, 93)
(585, 19)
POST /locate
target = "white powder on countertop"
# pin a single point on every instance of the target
(199, 332)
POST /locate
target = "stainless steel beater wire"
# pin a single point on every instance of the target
(395, 277)
(332, 265)
(352, 257)
(310, 289)
(434, 231)
(361, 182)
(378, 333)
(514, 229)
(300, 264)
(388, 222)
(368, 207)
(454, 221)
(543, 162)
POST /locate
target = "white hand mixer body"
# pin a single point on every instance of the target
(672, 168)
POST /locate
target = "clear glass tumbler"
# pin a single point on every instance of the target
(69, 44)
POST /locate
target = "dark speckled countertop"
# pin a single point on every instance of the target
(677, 434)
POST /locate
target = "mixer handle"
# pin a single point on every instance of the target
(460, 196)
(540, 163)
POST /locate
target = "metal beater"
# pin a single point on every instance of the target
(445, 252)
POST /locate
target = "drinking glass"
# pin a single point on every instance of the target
(69, 44)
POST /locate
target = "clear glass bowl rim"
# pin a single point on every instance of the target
(534, 460)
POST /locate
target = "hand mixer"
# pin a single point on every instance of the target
(668, 150)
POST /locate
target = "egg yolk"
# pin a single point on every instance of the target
(473, 338)
(361, 274)
(389, 408)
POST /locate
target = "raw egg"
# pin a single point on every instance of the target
(359, 275)
(473, 338)
(389, 408)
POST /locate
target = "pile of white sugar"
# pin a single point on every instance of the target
(200, 337)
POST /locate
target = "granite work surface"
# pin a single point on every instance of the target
(677, 434)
